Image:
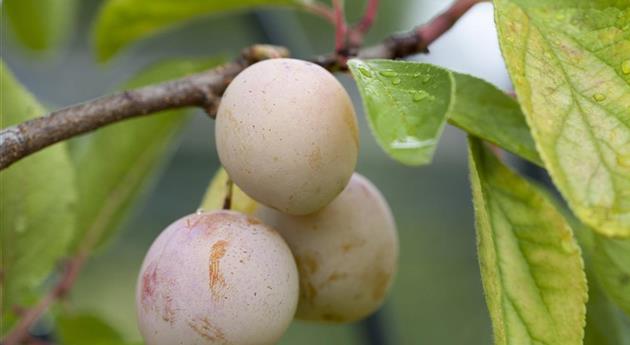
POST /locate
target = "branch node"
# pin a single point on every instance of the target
(261, 52)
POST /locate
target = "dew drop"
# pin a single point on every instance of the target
(419, 96)
(396, 81)
(366, 73)
(625, 67)
(426, 79)
(416, 75)
(599, 97)
(388, 73)
(409, 142)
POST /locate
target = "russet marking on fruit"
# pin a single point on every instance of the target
(253, 221)
(335, 276)
(315, 158)
(205, 329)
(168, 312)
(149, 284)
(380, 283)
(214, 272)
(348, 246)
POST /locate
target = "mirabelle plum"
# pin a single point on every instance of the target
(346, 253)
(286, 132)
(217, 278)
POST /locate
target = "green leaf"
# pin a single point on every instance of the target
(80, 329)
(611, 265)
(117, 161)
(486, 112)
(406, 104)
(531, 267)
(41, 24)
(570, 64)
(604, 322)
(121, 22)
(37, 199)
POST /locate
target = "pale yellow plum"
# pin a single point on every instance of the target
(286, 132)
(217, 278)
(347, 253)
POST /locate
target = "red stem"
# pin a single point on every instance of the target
(340, 27)
(368, 16)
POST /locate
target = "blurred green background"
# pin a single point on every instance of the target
(437, 296)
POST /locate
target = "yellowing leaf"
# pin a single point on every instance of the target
(531, 267)
(217, 191)
(570, 64)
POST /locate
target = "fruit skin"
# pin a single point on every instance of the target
(286, 132)
(347, 253)
(216, 278)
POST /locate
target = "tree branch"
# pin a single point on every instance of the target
(66, 281)
(201, 90)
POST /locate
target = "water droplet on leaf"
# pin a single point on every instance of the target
(625, 67)
(410, 142)
(366, 73)
(419, 96)
(388, 73)
(599, 97)
(396, 81)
